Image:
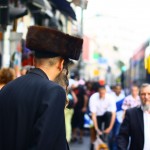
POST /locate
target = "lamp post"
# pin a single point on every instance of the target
(15, 21)
(83, 6)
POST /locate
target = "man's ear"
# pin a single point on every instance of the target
(61, 64)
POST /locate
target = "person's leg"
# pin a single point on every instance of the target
(67, 124)
(68, 116)
(74, 127)
(106, 119)
(113, 136)
(117, 127)
(100, 121)
(81, 126)
(92, 137)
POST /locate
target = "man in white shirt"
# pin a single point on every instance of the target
(136, 124)
(103, 110)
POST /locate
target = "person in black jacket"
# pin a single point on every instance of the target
(32, 106)
(135, 129)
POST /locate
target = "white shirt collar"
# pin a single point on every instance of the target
(146, 117)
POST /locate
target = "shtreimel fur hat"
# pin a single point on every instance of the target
(50, 42)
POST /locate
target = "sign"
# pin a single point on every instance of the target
(96, 72)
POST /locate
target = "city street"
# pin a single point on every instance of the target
(70, 69)
(84, 146)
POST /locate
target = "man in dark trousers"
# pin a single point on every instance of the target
(135, 128)
(32, 106)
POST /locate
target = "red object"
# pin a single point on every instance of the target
(28, 61)
(101, 82)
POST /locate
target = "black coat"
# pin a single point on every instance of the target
(132, 126)
(32, 114)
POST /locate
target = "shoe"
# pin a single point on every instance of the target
(92, 147)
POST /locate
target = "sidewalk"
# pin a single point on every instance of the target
(84, 146)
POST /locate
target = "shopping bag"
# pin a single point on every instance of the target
(99, 144)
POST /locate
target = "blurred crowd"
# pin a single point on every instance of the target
(100, 108)
(85, 110)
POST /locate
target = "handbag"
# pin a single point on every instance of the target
(99, 144)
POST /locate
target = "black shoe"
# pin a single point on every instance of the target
(92, 147)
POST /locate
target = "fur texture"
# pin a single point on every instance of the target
(50, 40)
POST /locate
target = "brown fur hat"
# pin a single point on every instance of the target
(56, 43)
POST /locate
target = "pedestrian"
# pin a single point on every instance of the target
(119, 98)
(132, 100)
(79, 111)
(136, 124)
(103, 112)
(6, 75)
(69, 113)
(32, 106)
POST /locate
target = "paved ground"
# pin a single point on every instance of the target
(84, 146)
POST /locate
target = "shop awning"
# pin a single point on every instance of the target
(16, 12)
(64, 7)
(43, 5)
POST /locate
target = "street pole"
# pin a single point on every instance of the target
(4, 19)
(15, 21)
(80, 66)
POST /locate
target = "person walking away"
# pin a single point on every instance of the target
(79, 111)
(32, 106)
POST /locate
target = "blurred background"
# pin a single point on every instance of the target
(116, 36)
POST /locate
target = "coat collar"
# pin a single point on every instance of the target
(39, 72)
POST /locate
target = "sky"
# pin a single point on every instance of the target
(122, 23)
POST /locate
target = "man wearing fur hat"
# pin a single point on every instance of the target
(32, 106)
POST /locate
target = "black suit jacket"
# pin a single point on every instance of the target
(132, 126)
(32, 114)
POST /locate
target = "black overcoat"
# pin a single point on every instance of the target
(32, 114)
(133, 127)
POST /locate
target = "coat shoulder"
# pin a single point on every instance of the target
(133, 110)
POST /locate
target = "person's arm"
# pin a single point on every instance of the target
(125, 106)
(112, 121)
(49, 124)
(124, 112)
(84, 109)
(94, 118)
(75, 99)
(123, 136)
(92, 107)
(112, 108)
